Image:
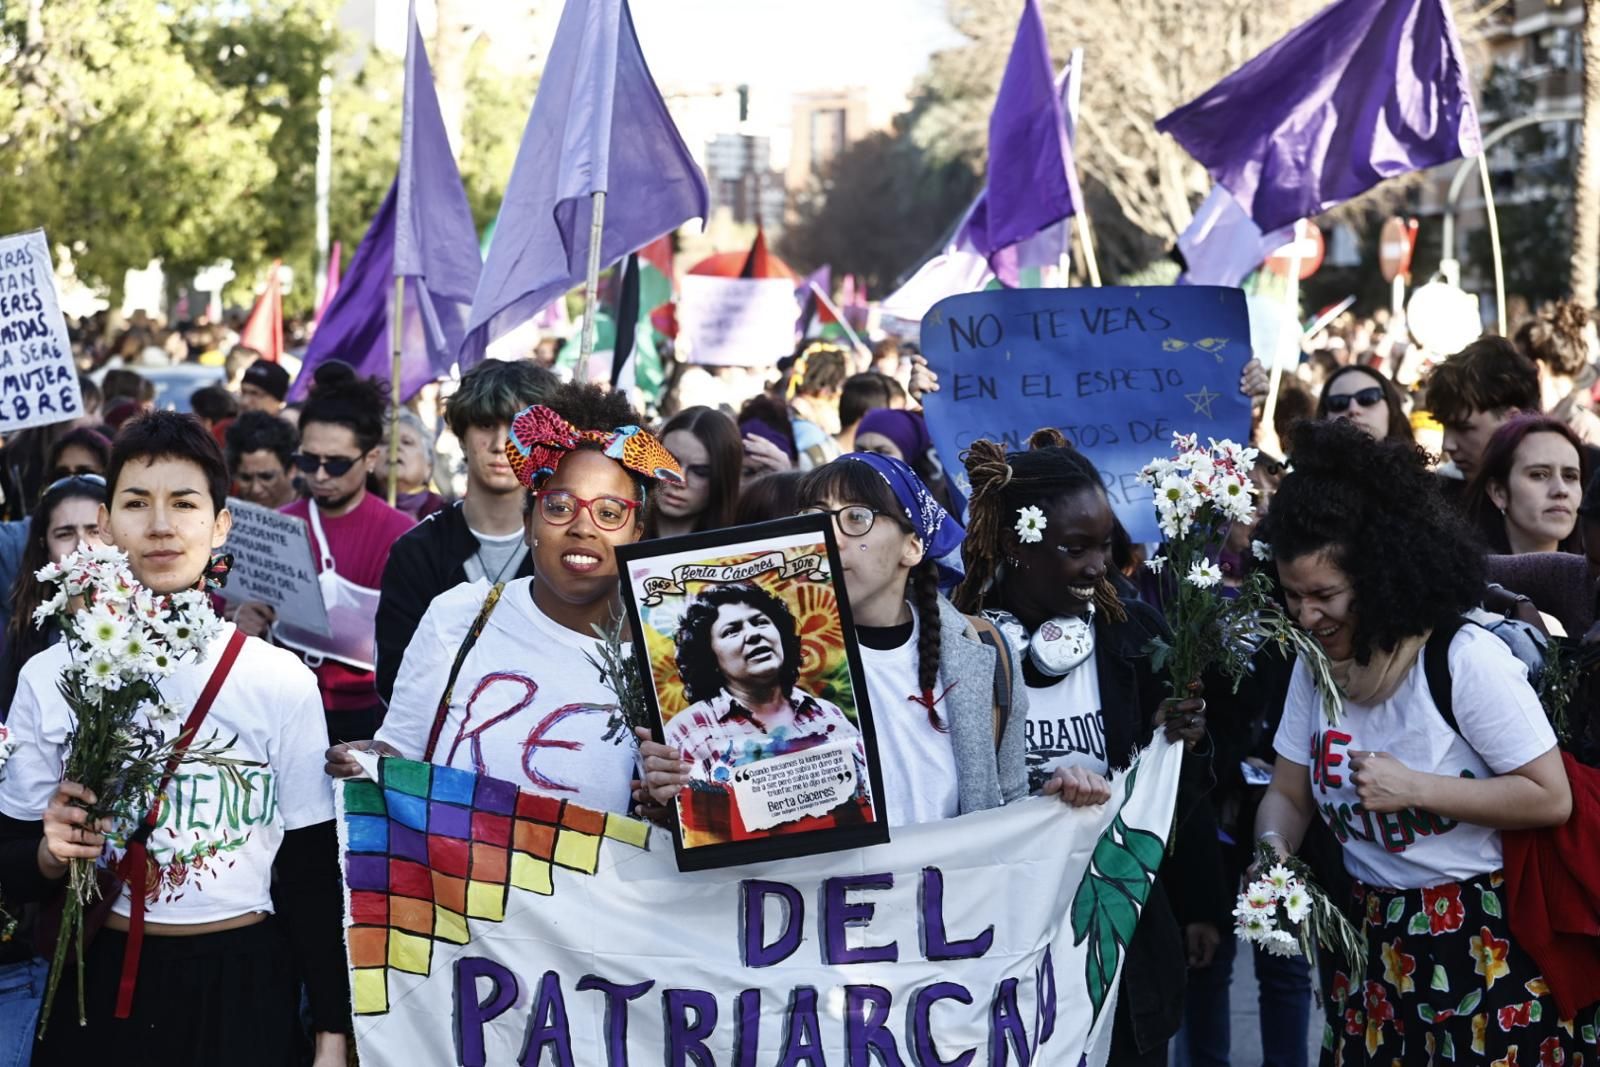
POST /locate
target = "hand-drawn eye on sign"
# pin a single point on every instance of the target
(755, 676)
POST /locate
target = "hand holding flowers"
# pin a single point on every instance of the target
(1282, 910)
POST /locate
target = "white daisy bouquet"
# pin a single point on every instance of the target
(122, 640)
(1200, 493)
(1285, 913)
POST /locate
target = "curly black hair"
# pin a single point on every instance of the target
(1376, 509)
(589, 407)
(702, 678)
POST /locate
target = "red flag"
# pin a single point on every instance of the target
(658, 254)
(263, 330)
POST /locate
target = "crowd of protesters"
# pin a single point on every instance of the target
(1428, 525)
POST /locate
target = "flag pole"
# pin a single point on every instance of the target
(1086, 239)
(1494, 241)
(1268, 433)
(394, 388)
(591, 287)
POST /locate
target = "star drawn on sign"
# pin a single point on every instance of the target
(1202, 401)
(936, 318)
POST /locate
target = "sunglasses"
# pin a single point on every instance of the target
(560, 507)
(336, 466)
(1367, 397)
(88, 477)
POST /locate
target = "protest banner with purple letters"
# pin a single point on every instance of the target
(487, 926)
(38, 380)
(1117, 370)
(753, 672)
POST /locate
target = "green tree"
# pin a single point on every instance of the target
(116, 145)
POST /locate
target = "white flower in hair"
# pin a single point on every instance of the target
(1030, 525)
(1261, 550)
(1204, 574)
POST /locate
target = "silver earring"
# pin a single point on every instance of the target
(1012, 562)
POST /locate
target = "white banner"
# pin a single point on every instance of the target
(38, 380)
(487, 926)
(740, 322)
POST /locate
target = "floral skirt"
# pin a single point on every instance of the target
(1445, 983)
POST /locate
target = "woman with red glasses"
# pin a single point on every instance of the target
(1369, 400)
(495, 679)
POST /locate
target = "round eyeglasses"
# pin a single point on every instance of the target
(559, 508)
(853, 520)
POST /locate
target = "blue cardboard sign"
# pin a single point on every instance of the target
(1117, 370)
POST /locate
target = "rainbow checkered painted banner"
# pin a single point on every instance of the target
(485, 925)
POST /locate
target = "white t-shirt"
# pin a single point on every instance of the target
(918, 760)
(526, 708)
(1500, 719)
(1065, 726)
(498, 558)
(215, 843)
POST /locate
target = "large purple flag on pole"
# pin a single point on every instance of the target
(1366, 90)
(424, 233)
(598, 125)
(1031, 174)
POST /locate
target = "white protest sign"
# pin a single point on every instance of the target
(740, 322)
(272, 563)
(484, 925)
(38, 381)
(785, 788)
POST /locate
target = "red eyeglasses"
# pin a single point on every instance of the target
(560, 507)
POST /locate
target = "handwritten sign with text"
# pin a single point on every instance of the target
(38, 381)
(272, 563)
(740, 322)
(1117, 370)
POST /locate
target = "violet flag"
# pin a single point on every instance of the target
(1030, 182)
(424, 233)
(598, 125)
(1222, 245)
(1365, 90)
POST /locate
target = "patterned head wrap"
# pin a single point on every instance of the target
(939, 532)
(540, 437)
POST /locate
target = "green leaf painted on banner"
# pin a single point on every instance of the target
(1397, 908)
(1470, 1002)
(1113, 859)
(1104, 955)
(1441, 980)
(1146, 847)
(1085, 907)
(1490, 901)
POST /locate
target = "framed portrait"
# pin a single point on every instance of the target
(754, 673)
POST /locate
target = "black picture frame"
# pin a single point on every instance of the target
(707, 549)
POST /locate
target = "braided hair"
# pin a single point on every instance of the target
(858, 483)
(1002, 482)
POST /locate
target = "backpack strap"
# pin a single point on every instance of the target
(467, 642)
(990, 635)
(1436, 669)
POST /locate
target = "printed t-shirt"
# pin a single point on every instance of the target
(1066, 727)
(1502, 727)
(214, 845)
(527, 706)
(918, 759)
(359, 542)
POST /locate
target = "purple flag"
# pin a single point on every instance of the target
(1222, 245)
(424, 233)
(598, 125)
(1030, 183)
(1366, 90)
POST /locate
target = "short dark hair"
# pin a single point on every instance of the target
(169, 435)
(495, 390)
(702, 678)
(1488, 375)
(1399, 423)
(1376, 510)
(213, 402)
(340, 397)
(85, 438)
(256, 431)
(122, 384)
(862, 393)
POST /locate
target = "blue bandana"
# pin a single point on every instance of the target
(939, 532)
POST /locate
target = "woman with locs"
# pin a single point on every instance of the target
(1037, 555)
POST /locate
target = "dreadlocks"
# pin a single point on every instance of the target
(1003, 482)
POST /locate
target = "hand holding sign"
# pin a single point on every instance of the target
(1117, 370)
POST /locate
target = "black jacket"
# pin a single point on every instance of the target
(430, 558)
(1189, 888)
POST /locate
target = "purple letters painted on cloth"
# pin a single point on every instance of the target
(598, 125)
(422, 232)
(1366, 90)
(1030, 183)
